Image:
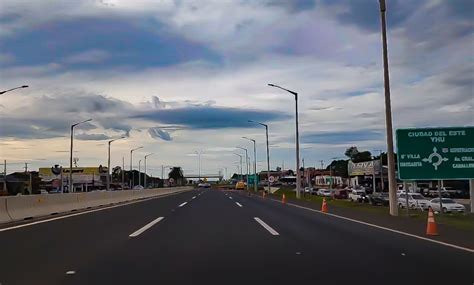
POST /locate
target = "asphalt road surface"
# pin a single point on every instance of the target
(217, 237)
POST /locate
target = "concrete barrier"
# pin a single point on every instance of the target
(4, 216)
(16, 208)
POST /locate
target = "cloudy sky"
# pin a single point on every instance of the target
(182, 76)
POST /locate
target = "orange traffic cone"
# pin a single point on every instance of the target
(431, 228)
(283, 199)
(324, 207)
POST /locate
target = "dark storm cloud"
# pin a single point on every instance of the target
(157, 133)
(342, 137)
(209, 117)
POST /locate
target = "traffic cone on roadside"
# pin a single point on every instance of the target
(431, 227)
(283, 199)
(324, 207)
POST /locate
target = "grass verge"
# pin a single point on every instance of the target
(458, 220)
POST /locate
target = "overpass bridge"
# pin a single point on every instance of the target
(207, 176)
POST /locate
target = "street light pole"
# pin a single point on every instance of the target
(268, 152)
(19, 87)
(246, 164)
(392, 182)
(255, 187)
(145, 168)
(70, 190)
(241, 176)
(139, 172)
(108, 163)
(131, 176)
(199, 155)
(298, 176)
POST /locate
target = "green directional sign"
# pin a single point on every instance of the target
(435, 153)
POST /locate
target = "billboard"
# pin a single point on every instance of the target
(363, 168)
(80, 175)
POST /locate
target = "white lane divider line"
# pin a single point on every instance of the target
(146, 227)
(181, 205)
(238, 204)
(194, 197)
(230, 197)
(267, 227)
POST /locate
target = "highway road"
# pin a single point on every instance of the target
(221, 237)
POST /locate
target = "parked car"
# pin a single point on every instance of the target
(358, 196)
(324, 192)
(449, 205)
(42, 191)
(138, 187)
(341, 194)
(308, 189)
(379, 198)
(415, 201)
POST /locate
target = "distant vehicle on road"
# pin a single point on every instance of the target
(379, 198)
(415, 201)
(358, 196)
(308, 189)
(240, 185)
(449, 205)
(138, 187)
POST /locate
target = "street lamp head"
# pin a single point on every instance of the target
(24, 86)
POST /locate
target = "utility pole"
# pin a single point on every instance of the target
(268, 153)
(123, 172)
(5, 176)
(71, 184)
(255, 187)
(26, 167)
(139, 172)
(322, 164)
(145, 168)
(240, 157)
(132, 177)
(392, 182)
(246, 166)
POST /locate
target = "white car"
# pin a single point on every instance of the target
(326, 193)
(357, 195)
(415, 201)
(448, 205)
(138, 187)
(321, 191)
(308, 189)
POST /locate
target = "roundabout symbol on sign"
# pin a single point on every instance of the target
(439, 159)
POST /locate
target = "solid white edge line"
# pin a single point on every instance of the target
(182, 204)
(383, 228)
(146, 227)
(238, 204)
(85, 212)
(267, 227)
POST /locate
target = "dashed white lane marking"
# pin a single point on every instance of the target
(238, 204)
(146, 227)
(181, 205)
(70, 272)
(267, 227)
(194, 197)
(230, 197)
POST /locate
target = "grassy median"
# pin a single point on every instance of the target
(464, 221)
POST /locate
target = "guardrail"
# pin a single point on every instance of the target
(16, 208)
